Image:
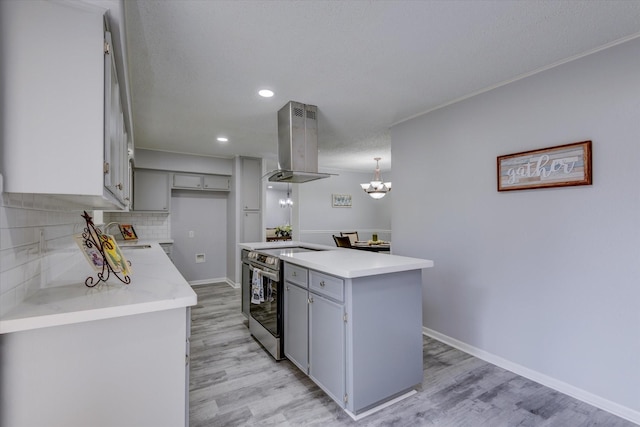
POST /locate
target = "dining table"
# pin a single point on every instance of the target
(372, 247)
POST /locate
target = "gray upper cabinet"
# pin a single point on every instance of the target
(181, 180)
(151, 190)
(65, 120)
(251, 183)
(201, 182)
(216, 182)
(251, 226)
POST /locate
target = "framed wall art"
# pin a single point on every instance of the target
(559, 166)
(341, 200)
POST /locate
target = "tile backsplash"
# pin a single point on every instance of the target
(36, 243)
(148, 225)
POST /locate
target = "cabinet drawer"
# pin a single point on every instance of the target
(295, 274)
(323, 284)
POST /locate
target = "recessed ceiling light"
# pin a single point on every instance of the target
(265, 93)
(223, 139)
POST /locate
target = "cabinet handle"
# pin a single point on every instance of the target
(119, 186)
(322, 283)
(287, 287)
(310, 300)
(294, 274)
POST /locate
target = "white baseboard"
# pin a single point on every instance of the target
(214, 280)
(585, 396)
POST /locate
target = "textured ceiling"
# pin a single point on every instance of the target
(196, 66)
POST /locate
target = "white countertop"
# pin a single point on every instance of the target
(155, 285)
(344, 262)
(254, 246)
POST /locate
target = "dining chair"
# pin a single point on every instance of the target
(342, 241)
(352, 235)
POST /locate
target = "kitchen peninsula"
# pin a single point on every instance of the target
(109, 355)
(353, 322)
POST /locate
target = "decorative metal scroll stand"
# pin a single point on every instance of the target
(91, 236)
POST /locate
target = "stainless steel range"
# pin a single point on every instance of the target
(262, 295)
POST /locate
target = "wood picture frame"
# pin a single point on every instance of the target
(341, 200)
(127, 231)
(558, 166)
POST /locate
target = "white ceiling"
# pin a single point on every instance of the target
(196, 66)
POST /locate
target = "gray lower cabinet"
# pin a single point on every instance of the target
(296, 329)
(359, 339)
(326, 346)
(314, 328)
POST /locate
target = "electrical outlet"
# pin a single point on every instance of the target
(191, 234)
(199, 258)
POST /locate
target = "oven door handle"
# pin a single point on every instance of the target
(270, 275)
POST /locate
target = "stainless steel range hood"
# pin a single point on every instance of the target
(297, 144)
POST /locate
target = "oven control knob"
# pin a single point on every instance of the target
(271, 260)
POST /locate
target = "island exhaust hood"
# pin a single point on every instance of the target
(297, 144)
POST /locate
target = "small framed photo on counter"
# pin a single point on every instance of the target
(128, 233)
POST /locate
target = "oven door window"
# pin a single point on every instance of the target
(266, 312)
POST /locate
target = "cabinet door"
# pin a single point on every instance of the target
(327, 346)
(151, 190)
(251, 227)
(251, 183)
(296, 332)
(53, 79)
(187, 181)
(215, 182)
(115, 135)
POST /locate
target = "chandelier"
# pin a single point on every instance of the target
(286, 203)
(377, 189)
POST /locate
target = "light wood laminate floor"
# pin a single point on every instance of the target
(235, 382)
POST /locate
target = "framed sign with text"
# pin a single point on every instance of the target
(341, 200)
(559, 166)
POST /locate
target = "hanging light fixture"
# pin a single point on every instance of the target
(377, 189)
(286, 203)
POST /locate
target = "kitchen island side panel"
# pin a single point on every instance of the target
(121, 371)
(385, 330)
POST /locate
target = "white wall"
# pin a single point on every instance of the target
(318, 221)
(219, 209)
(203, 213)
(548, 280)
